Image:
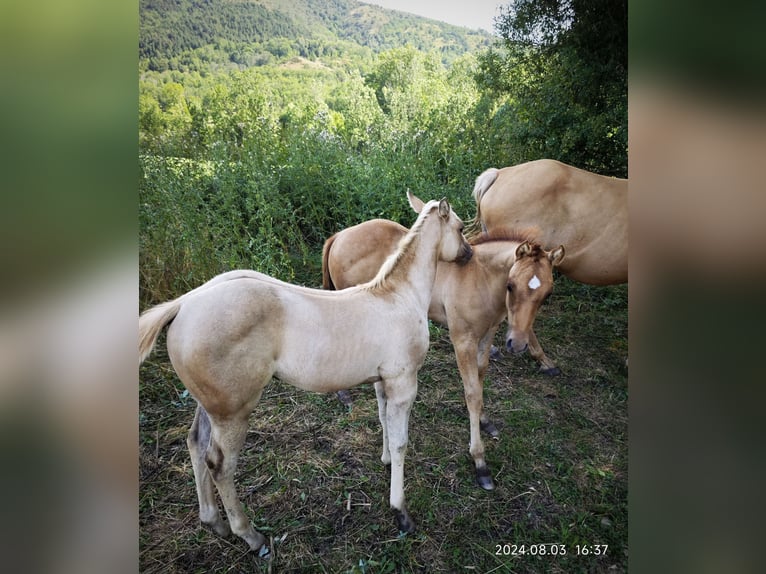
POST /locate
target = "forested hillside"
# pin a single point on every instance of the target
(189, 34)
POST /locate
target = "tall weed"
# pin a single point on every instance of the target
(200, 218)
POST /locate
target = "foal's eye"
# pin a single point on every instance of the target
(510, 288)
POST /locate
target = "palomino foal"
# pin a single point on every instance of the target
(585, 211)
(230, 336)
(505, 278)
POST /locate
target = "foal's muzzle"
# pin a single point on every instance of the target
(510, 349)
(465, 255)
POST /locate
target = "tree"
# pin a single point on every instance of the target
(562, 69)
(409, 85)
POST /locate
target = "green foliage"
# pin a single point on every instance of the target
(253, 160)
(199, 219)
(561, 76)
(189, 35)
(257, 168)
(171, 27)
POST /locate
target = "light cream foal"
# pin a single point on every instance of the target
(227, 338)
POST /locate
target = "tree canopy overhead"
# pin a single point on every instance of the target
(563, 64)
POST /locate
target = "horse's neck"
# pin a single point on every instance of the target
(422, 270)
(496, 258)
(415, 270)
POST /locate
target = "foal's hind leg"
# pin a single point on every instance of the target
(198, 442)
(399, 395)
(228, 436)
(482, 361)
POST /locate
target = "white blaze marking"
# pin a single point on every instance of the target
(534, 283)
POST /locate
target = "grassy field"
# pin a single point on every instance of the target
(311, 478)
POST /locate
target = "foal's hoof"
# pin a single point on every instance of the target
(552, 372)
(490, 428)
(494, 354)
(404, 522)
(345, 398)
(484, 478)
(219, 527)
(257, 543)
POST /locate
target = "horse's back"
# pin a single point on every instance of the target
(553, 191)
(358, 252)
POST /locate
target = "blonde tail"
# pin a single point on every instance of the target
(483, 183)
(326, 278)
(151, 322)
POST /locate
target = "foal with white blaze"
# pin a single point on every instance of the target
(227, 338)
(507, 277)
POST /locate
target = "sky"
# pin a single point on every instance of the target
(468, 13)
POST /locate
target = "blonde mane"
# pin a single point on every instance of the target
(405, 252)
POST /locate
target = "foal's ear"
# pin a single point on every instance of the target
(415, 202)
(556, 256)
(523, 250)
(444, 208)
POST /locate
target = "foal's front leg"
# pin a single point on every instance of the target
(399, 395)
(547, 366)
(380, 395)
(466, 354)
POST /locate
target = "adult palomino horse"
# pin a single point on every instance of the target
(584, 211)
(504, 277)
(229, 336)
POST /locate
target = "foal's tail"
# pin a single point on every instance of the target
(483, 183)
(326, 279)
(151, 322)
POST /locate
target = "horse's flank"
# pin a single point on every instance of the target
(586, 212)
(153, 320)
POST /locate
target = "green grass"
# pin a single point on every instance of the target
(311, 477)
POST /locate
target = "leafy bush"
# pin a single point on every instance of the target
(256, 170)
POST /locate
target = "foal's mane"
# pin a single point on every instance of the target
(403, 254)
(529, 234)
